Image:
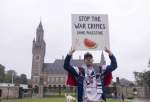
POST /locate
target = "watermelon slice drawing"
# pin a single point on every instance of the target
(90, 44)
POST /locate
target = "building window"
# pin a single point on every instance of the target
(54, 86)
(49, 79)
(57, 79)
(49, 86)
(52, 80)
(37, 57)
(36, 79)
(62, 79)
(36, 89)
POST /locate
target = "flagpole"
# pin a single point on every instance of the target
(149, 63)
(12, 80)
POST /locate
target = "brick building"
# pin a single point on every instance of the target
(46, 75)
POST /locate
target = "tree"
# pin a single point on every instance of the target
(23, 79)
(17, 80)
(11, 72)
(139, 78)
(2, 73)
(142, 78)
(10, 76)
(146, 78)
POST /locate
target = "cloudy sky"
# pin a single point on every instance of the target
(129, 22)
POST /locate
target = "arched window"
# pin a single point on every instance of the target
(49, 86)
(36, 89)
(54, 86)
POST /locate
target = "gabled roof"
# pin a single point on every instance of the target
(57, 66)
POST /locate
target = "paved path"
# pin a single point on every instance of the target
(141, 100)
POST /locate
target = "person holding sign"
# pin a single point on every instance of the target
(90, 84)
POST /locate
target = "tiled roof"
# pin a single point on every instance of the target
(57, 66)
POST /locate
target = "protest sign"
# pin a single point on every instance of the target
(90, 31)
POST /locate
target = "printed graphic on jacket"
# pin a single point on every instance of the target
(92, 86)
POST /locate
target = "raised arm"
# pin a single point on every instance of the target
(67, 65)
(113, 64)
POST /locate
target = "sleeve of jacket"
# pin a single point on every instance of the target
(112, 66)
(68, 67)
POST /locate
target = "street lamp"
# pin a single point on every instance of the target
(12, 78)
(8, 92)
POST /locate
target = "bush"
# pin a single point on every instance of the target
(130, 97)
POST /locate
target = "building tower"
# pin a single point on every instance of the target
(38, 54)
(102, 61)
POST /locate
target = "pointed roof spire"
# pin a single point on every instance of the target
(34, 40)
(40, 25)
(102, 62)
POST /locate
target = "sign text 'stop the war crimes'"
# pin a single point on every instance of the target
(89, 25)
(89, 28)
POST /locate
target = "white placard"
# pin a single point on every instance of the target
(90, 31)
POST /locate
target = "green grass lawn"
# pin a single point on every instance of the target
(52, 99)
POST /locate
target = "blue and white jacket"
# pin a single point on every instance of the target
(78, 76)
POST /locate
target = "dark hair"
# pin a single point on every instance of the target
(88, 55)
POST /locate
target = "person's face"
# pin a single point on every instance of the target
(88, 61)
